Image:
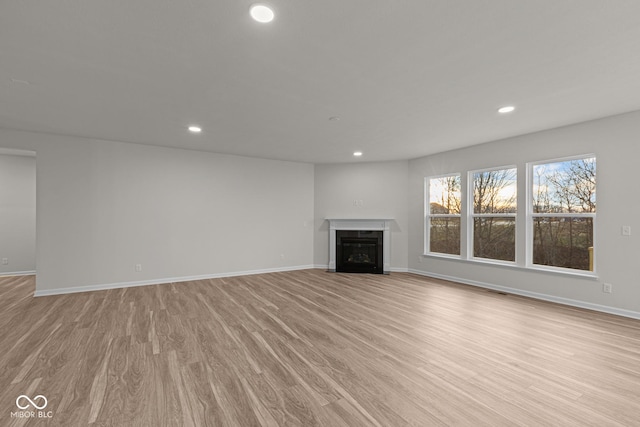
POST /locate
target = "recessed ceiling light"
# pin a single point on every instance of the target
(357, 153)
(195, 129)
(261, 13)
(334, 118)
(506, 109)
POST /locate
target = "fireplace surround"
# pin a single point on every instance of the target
(359, 251)
(365, 242)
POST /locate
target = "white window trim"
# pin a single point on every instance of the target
(530, 215)
(471, 215)
(523, 231)
(428, 215)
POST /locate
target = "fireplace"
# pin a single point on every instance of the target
(359, 251)
(360, 245)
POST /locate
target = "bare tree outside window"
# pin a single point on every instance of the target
(494, 214)
(443, 217)
(560, 215)
(564, 211)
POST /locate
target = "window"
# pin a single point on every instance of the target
(557, 216)
(443, 214)
(563, 213)
(493, 219)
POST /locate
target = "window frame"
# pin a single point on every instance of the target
(428, 215)
(524, 220)
(471, 216)
(531, 215)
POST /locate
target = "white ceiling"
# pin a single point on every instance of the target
(406, 78)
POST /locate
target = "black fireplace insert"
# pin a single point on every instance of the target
(359, 251)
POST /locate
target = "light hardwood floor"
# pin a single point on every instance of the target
(314, 348)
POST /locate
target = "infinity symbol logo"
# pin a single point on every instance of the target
(34, 404)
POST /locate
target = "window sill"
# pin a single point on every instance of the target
(513, 266)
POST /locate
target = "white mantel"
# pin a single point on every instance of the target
(373, 224)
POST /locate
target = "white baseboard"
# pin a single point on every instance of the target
(545, 297)
(18, 273)
(118, 285)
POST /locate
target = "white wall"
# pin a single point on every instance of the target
(103, 207)
(382, 188)
(17, 213)
(614, 140)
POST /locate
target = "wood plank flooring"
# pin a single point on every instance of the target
(312, 348)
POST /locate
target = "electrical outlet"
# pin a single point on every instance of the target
(626, 230)
(138, 267)
(607, 288)
(5, 261)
